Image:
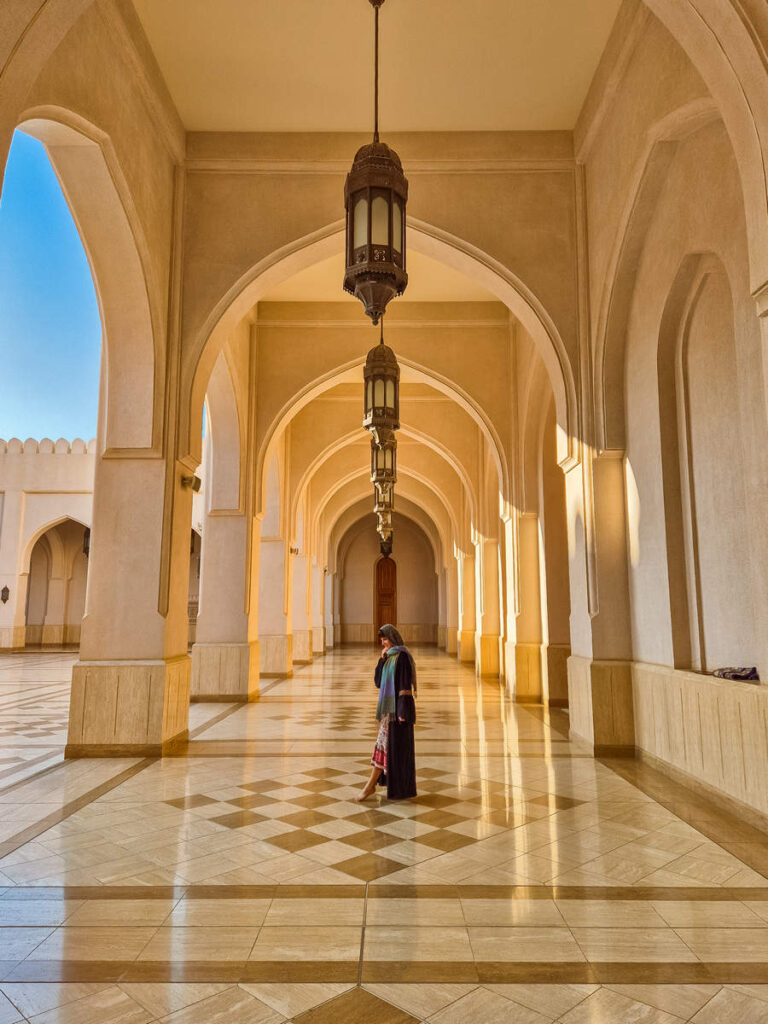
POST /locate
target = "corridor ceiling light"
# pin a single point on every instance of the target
(384, 458)
(382, 391)
(375, 197)
(384, 498)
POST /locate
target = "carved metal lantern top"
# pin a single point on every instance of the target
(375, 197)
(382, 392)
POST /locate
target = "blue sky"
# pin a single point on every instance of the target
(50, 330)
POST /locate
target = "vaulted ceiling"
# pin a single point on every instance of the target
(446, 65)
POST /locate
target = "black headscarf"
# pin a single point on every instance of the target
(391, 634)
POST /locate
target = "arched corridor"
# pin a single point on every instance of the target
(579, 515)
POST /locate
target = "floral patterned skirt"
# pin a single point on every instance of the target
(379, 759)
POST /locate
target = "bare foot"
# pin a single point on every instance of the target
(364, 795)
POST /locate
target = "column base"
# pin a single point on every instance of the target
(276, 655)
(487, 651)
(134, 709)
(555, 660)
(302, 646)
(13, 638)
(466, 643)
(528, 688)
(318, 641)
(451, 641)
(602, 706)
(225, 672)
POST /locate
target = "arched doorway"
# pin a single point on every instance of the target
(385, 595)
(58, 570)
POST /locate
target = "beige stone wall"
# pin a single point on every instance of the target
(417, 611)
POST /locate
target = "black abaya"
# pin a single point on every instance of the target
(400, 777)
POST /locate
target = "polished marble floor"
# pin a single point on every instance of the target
(241, 882)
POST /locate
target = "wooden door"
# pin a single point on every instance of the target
(386, 592)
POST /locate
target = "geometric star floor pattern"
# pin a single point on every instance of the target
(239, 882)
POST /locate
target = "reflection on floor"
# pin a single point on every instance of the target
(240, 882)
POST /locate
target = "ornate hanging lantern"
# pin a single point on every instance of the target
(384, 458)
(382, 391)
(375, 197)
(384, 500)
(384, 527)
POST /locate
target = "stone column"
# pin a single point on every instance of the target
(466, 630)
(553, 553)
(274, 609)
(318, 616)
(441, 618)
(452, 607)
(130, 688)
(488, 634)
(300, 606)
(328, 610)
(224, 662)
(599, 669)
(528, 675)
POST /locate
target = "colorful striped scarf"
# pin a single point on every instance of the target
(387, 696)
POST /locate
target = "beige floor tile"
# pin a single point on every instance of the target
(36, 912)
(9, 1014)
(554, 945)
(680, 1000)
(166, 998)
(717, 914)
(488, 1007)
(428, 913)
(232, 1006)
(35, 998)
(632, 945)
(329, 912)
(721, 945)
(106, 913)
(291, 1000)
(730, 1007)
(93, 943)
(550, 1000)
(194, 913)
(420, 1000)
(536, 913)
(609, 914)
(755, 991)
(110, 1006)
(18, 943)
(384, 942)
(307, 943)
(212, 943)
(607, 1007)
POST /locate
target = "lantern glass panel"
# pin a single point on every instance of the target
(360, 229)
(369, 397)
(380, 460)
(388, 458)
(379, 221)
(390, 394)
(378, 393)
(397, 226)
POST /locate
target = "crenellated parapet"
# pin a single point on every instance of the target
(45, 446)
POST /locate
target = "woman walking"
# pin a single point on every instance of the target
(394, 758)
